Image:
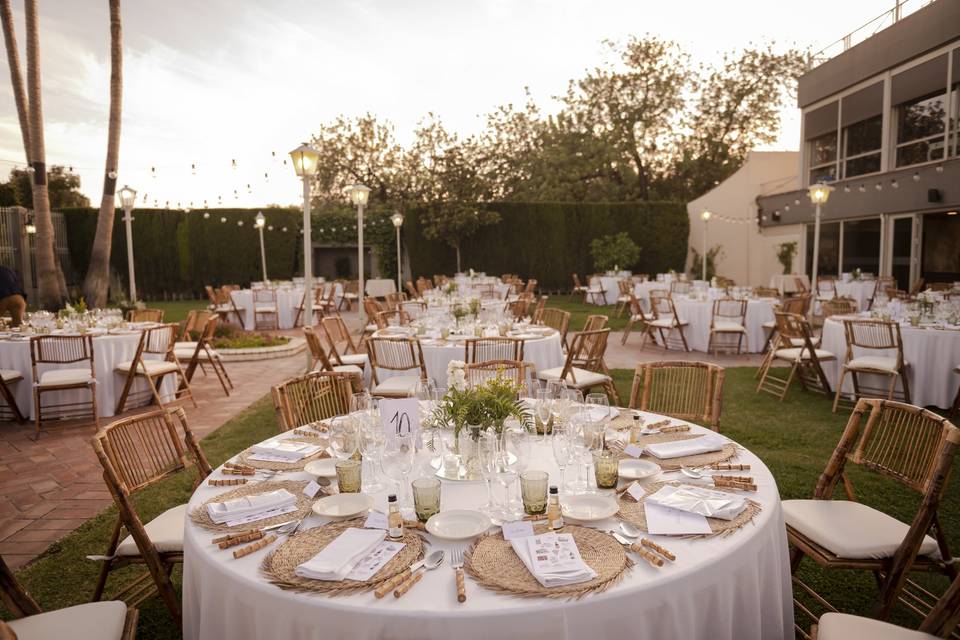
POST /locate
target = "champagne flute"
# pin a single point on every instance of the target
(560, 443)
(398, 462)
(372, 442)
(544, 411)
(487, 457)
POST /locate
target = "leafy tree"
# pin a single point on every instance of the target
(614, 251)
(714, 253)
(63, 187)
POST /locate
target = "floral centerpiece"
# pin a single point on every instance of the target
(856, 273)
(474, 306)
(458, 312)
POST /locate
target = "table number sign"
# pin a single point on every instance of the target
(400, 417)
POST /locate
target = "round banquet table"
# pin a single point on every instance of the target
(931, 355)
(734, 587)
(108, 351)
(859, 290)
(542, 352)
(642, 291)
(288, 301)
(698, 313)
(611, 288)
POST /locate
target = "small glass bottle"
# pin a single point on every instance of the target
(554, 514)
(394, 518)
(636, 428)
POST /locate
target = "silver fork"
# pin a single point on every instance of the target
(456, 561)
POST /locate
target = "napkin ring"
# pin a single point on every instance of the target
(251, 548)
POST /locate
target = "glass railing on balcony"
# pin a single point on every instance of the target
(886, 19)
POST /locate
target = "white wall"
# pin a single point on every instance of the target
(748, 255)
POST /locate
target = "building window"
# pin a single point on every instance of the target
(861, 245)
(829, 262)
(955, 119)
(920, 128)
(823, 158)
(861, 147)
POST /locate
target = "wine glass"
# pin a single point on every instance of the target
(506, 475)
(599, 400)
(372, 442)
(544, 410)
(556, 388)
(487, 458)
(360, 401)
(519, 443)
(560, 442)
(580, 440)
(397, 463)
(343, 437)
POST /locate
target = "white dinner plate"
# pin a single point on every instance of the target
(636, 469)
(324, 467)
(343, 505)
(458, 524)
(589, 507)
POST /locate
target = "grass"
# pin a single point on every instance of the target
(176, 310)
(579, 311)
(793, 438)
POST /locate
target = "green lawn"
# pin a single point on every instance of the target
(580, 310)
(794, 438)
(176, 310)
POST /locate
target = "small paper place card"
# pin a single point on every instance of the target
(311, 489)
(633, 450)
(518, 529)
(666, 521)
(380, 556)
(262, 515)
(376, 520)
(637, 492)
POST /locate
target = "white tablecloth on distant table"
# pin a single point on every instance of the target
(288, 301)
(931, 356)
(699, 312)
(380, 287)
(543, 353)
(734, 587)
(787, 283)
(859, 290)
(611, 286)
(108, 352)
(642, 291)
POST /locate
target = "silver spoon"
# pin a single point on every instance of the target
(629, 530)
(430, 563)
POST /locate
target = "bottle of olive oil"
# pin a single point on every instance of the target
(554, 514)
(394, 518)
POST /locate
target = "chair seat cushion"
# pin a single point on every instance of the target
(797, 353)
(91, 621)
(359, 359)
(850, 529)
(727, 326)
(151, 367)
(57, 377)
(667, 323)
(265, 308)
(348, 368)
(874, 363)
(798, 342)
(638, 317)
(10, 375)
(771, 324)
(583, 377)
(843, 626)
(396, 386)
(205, 354)
(165, 531)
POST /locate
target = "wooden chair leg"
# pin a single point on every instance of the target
(836, 396)
(37, 413)
(683, 338)
(122, 402)
(906, 385)
(12, 403)
(626, 332)
(107, 564)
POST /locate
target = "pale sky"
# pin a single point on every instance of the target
(211, 81)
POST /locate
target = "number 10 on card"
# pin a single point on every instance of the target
(400, 417)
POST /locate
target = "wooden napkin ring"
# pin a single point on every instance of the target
(226, 482)
(743, 486)
(663, 424)
(241, 539)
(230, 536)
(461, 587)
(251, 548)
(415, 524)
(726, 478)
(392, 583)
(649, 556)
(679, 428)
(237, 472)
(235, 465)
(650, 544)
(731, 467)
(406, 586)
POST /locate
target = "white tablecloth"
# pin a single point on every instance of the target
(787, 284)
(642, 291)
(931, 356)
(859, 290)
(698, 314)
(380, 287)
(288, 301)
(108, 352)
(611, 286)
(544, 353)
(734, 587)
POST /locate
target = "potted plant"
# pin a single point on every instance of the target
(611, 251)
(785, 253)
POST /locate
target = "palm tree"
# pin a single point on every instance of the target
(16, 79)
(97, 281)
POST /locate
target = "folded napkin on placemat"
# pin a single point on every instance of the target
(340, 556)
(285, 450)
(553, 559)
(691, 447)
(706, 502)
(237, 508)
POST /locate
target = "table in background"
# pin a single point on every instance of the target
(785, 283)
(859, 290)
(611, 286)
(380, 287)
(288, 302)
(698, 314)
(734, 587)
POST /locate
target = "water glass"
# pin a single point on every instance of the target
(349, 475)
(426, 497)
(533, 490)
(605, 469)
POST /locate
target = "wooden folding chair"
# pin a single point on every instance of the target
(319, 395)
(518, 308)
(351, 294)
(318, 306)
(795, 346)
(881, 284)
(826, 288)
(915, 448)
(518, 372)
(584, 367)
(538, 310)
(683, 390)
(486, 349)
(63, 350)
(9, 377)
(411, 290)
(729, 317)
(225, 306)
(266, 312)
(342, 348)
(637, 314)
(681, 287)
(666, 320)
(596, 292)
(765, 292)
(396, 354)
(395, 299)
(879, 337)
(320, 360)
(145, 315)
(158, 341)
(556, 319)
(107, 620)
(595, 322)
(623, 300)
(202, 352)
(413, 309)
(397, 317)
(578, 289)
(136, 453)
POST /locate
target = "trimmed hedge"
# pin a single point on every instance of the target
(550, 241)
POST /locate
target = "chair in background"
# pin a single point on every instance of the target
(637, 314)
(795, 346)
(940, 286)
(202, 352)
(915, 448)
(881, 284)
(413, 309)
(145, 315)
(880, 337)
(955, 409)
(136, 453)
(596, 292)
(666, 320)
(266, 313)
(538, 310)
(319, 395)
(396, 355)
(158, 341)
(62, 350)
(222, 303)
(799, 286)
(319, 306)
(518, 308)
(486, 349)
(320, 360)
(729, 317)
(531, 286)
(9, 377)
(396, 317)
(578, 289)
(351, 294)
(394, 299)
(798, 304)
(520, 373)
(826, 288)
(556, 319)
(412, 290)
(766, 292)
(683, 390)
(111, 620)
(342, 349)
(194, 323)
(595, 322)
(584, 368)
(839, 306)
(679, 287)
(623, 300)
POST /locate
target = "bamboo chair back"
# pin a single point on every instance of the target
(682, 390)
(397, 317)
(729, 310)
(486, 349)
(145, 315)
(680, 288)
(317, 396)
(826, 287)
(662, 306)
(799, 304)
(338, 336)
(838, 307)
(489, 293)
(513, 370)
(899, 294)
(60, 350)
(799, 286)
(196, 320)
(766, 292)
(411, 290)
(587, 350)
(158, 341)
(264, 295)
(395, 354)
(317, 352)
(518, 308)
(531, 285)
(394, 299)
(538, 311)
(877, 335)
(595, 323)
(211, 294)
(413, 309)
(207, 332)
(577, 285)
(556, 319)
(371, 307)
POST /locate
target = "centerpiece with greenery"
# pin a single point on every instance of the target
(458, 312)
(614, 251)
(785, 253)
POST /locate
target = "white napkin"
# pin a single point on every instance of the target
(237, 508)
(706, 502)
(679, 448)
(340, 556)
(553, 559)
(292, 451)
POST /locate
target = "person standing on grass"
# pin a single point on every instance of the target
(12, 296)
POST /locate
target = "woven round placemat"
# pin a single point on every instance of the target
(304, 504)
(494, 564)
(632, 511)
(244, 457)
(727, 452)
(279, 567)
